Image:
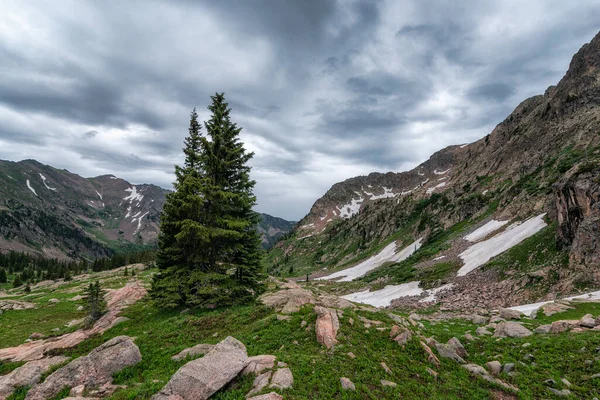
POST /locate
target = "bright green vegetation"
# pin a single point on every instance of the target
(161, 334)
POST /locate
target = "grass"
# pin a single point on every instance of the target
(160, 334)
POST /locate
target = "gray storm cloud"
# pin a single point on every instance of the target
(325, 90)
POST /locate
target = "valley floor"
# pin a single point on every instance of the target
(542, 361)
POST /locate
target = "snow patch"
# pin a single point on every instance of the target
(464, 145)
(431, 190)
(304, 237)
(384, 297)
(128, 212)
(113, 177)
(439, 258)
(30, 188)
(139, 220)
(484, 192)
(485, 230)
(386, 255)
(482, 252)
(98, 193)
(440, 173)
(530, 309)
(350, 209)
(387, 193)
(134, 196)
(45, 184)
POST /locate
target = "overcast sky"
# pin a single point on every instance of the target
(325, 90)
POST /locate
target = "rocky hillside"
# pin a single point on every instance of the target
(542, 161)
(60, 214)
(57, 213)
(272, 229)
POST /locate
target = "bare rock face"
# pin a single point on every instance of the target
(577, 199)
(550, 309)
(6, 305)
(27, 375)
(288, 300)
(347, 384)
(260, 382)
(196, 350)
(511, 329)
(199, 379)
(92, 370)
(327, 326)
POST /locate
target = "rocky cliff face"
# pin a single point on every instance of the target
(272, 229)
(508, 174)
(578, 213)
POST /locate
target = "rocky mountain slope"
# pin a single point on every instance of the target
(542, 161)
(60, 214)
(272, 229)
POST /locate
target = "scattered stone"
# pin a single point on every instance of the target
(351, 321)
(496, 319)
(80, 308)
(385, 383)
(587, 321)
(54, 301)
(283, 317)
(529, 357)
(351, 355)
(430, 356)
(482, 331)
(550, 309)
(512, 330)
(281, 364)
(477, 370)
(508, 367)
(458, 347)
(268, 396)
(282, 379)
(394, 331)
(386, 368)
(303, 324)
(94, 369)
(326, 326)
(448, 351)
(469, 337)
(330, 301)
(431, 372)
(36, 336)
(565, 382)
(543, 329)
(76, 298)
(505, 313)
(257, 364)
(563, 325)
(478, 319)
(560, 393)
(524, 345)
(494, 367)
(200, 378)
(260, 382)
(197, 350)
(347, 384)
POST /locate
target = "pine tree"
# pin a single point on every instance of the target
(93, 302)
(209, 251)
(3, 277)
(27, 288)
(126, 272)
(18, 281)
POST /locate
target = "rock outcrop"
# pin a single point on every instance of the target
(289, 299)
(27, 375)
(512, 330)
(577, 198)
(201, 378)
(197, 350)
(92, 370)
(116, 301)
(326, 326)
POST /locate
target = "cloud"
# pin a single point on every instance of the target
(325, 90)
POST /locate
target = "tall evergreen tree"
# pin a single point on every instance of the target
(3, 277)
(94, 303)
(209, 251)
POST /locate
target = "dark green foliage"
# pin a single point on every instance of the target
(27, 288)
(3, 277)
(94, 303)
(210, 251)
(18, 281)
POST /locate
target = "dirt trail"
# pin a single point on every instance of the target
(116, 300)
